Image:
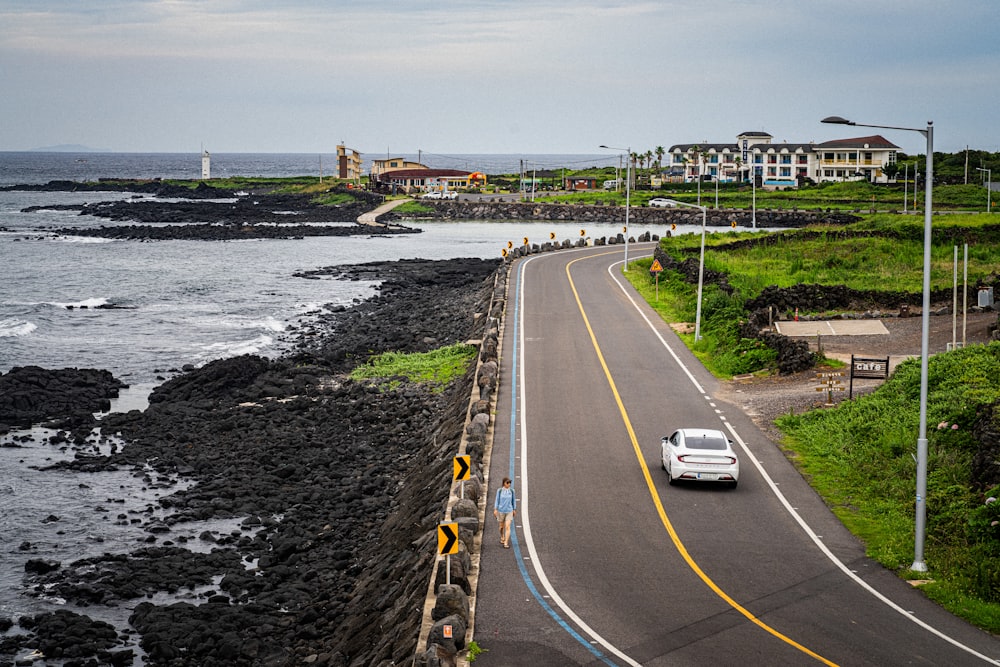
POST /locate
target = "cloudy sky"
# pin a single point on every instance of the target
(491, 76)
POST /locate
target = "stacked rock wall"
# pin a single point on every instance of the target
(644, 215)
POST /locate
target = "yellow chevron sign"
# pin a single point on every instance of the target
(447, 538)
(463, 467)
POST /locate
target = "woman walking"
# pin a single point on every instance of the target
(504, 509)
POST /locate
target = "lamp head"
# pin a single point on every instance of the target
(837, 120)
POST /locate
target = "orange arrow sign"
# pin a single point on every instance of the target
(447, 538)
(463, 467)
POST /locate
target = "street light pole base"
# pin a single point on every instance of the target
(918, 566)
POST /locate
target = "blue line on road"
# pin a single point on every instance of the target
(513, 425)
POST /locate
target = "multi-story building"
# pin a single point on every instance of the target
(847, 159)
(348, 164)
(380, 167)
(782, 164)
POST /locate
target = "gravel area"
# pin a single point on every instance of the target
(766, 398)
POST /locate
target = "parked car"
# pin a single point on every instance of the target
(449, 194)
(660, 202)
(431, 195)
(699, 455)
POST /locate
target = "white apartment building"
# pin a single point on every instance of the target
(782, 164)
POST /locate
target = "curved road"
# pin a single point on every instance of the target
(611, 566)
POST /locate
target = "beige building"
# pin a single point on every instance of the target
(381, 167)
(348, 164)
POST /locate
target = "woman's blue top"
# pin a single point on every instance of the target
(505, 500)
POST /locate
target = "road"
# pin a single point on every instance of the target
(610, 565)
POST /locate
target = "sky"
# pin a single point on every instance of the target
(492, 76)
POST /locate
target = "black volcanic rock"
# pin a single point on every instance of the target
(338, 486)
(29, 394)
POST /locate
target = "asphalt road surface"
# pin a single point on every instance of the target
(611, 566)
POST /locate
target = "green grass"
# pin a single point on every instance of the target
(861, 197)
(436, 368)
(413, 208)
(883, 252)
(859, 457)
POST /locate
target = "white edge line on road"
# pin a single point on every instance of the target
(543, 580)
(784, 501)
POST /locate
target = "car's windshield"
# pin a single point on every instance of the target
(707, 442)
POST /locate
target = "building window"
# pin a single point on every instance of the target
(758, 159)
(772, 159)
(892, 157)
(803, 159)
(786, 159)
(828, 173)
(828, 157)
(786, 171)
(771, 171)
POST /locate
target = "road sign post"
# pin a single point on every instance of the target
(447, 545)
(830, 384)
(463, 470)
(656, 269)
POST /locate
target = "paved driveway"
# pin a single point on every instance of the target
(831, 328)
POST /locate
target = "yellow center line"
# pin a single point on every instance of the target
(681, 549)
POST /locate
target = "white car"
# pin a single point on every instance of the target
(700, 455)
(431, 195)
(449, 194)
(660, 202)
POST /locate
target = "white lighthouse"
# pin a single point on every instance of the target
(206, 165)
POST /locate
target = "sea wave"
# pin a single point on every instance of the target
(55, 238)
(14, 328)
(95, 302)
(237, 347)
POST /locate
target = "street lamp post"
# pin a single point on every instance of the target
(906, 176)
(989, 191)
(628, 186)
(701, 264)
(921, 499)
(718, 175)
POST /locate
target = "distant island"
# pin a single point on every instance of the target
(69, 148)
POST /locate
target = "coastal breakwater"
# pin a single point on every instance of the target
(638, 215)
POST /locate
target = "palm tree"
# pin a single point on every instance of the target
(659, 150)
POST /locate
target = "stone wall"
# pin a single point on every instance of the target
(590, 213)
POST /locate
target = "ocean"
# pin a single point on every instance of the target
(174, 303)
(41, 167)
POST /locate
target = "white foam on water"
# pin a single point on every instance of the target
(94, 302)
(16, 328)
(237, 347)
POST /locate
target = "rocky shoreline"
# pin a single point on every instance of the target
(337, 486)
(192, 216)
